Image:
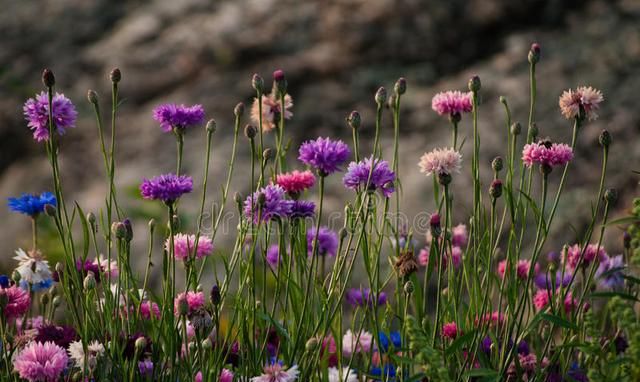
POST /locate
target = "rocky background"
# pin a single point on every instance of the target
(335, 54)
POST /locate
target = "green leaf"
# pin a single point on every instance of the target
(481, 373)
(559, 321)
(458, 342)
(85, 232)
(624, 296)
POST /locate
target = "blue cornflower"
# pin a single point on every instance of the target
(31, 204)
(387, 373)
(37, 287)
(5, 281)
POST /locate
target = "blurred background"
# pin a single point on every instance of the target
(335, 55)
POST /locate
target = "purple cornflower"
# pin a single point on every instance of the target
(273, 256)
(363, 297)
(324, 154)
(275, 205)
(382, 178)
(146, 368)
(543, 280)
(172, 116)
(88, 266)
(301, 209)
(60, 335)
(168, 187)
(327, 241)
(36, 112)
(610, 272)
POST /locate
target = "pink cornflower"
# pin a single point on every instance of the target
(226, 375)
(352, 343)
(270, 111)
(198, 377)
(591, 253)
(110, 269)
(493, 319)
(587, 97)
(459, 235)
(522, 268)
(41, 362)
(546, 154)
(423, 256)
(296, 181)
(277, 373)
(195, 300)
(452, 103)
(569, 302)
(450, 330)
(184, 245)
(147, 308)
(541, 299)
(440, 161)
(18, 302)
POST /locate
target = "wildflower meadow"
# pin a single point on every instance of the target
(297, 297)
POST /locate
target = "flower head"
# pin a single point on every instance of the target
(382, 178)
(76, 352)
(440, 161)
(195, 300)
(296, 181)
(172, 116)
(275, 205)
(18, 302)
(31, 204)
(168, 187)
(364, 297)
(450, 330)
(327, 243)
(324, 154)
(61, 335)
(273, 256)
(591, 252)
(36, 112)
(184, 246)
(226, 375)
(356, 343)
(301, 209)
(41, 362)
(277, 373)
(270, 111)
(547, 154)
(344, 375)
(610, 272)
(459, 235)
(33, 268)
(586, 97)
(452, 103)
(541, 299)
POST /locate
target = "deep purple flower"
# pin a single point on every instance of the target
(363, 297)
(36, 112)
(273, 256)
(301, 209)
(327, 243)
(577, 374)
(60, 335)
(382, 178)
(523, 347)
(175, 116)
(168, 187)
(485, 345)
(610, 272)
(146, 368)
(275, 205)
(88, 266)
(129, 350)
(543, 280)
(324, 154)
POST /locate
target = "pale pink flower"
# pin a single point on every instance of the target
(352, 343)
(423, 256)
(277, 373)
(452, 103)
(587, 97)
(459, 235)
(184, 245)
(450, 330)
(195, 300)
(41, 362)
(546, 153)
(110, 269)
(440, 161)
(270, 111)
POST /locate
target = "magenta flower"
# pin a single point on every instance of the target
(18, 302)
(459, 235)
(226, 375)
(41, 362)
(168, 187)
(440, 161)
(324, 154)
(591, 253)
(586, 97)
(149, 309)
(172, 116)
(296, 181)
(450, 330)
(546, 154)
(541, 299)
(382, 178)
(327, 244)
(275, 205)
(36, 112)
(452, 103)
(184, 246)
(522, 268)
(195, 300)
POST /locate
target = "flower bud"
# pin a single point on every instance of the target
(115, 75)
(516, 129)
(444, 178)
(391, 102)
(401, 86)
(280, 82)
(354, 120)
(59, 267)
(434, 225)
(533, 131)
(50, 210)
(257, 83)
(57, 301)
(237, 197)
(119, 230)
(267, 154)
(211, 126)
(534, 53)
(605, 138)
(140, 344)
(128, 229)
(495, 190)
(44, 299)
(238, 110)
(207, 344)
(381, 96)
(48, 79)
(250, 131)
(92, 96)
(343, 233)
(152, 224)
(311, 344)
(89, 282)
(409, 287)
(16, 276)
(611, 195)
(183, 306)
(91, 218)
(503, 100)
(474, 84)
(497, 164)
(215, 295)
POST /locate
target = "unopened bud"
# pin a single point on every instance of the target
(311, 344)
(57, 301)
(141, 343)
(262, 199)
(152, 224)
(115, 75)
(119, 230)
(250, 131)
(516, 129)
(215, 295)
(207, 344)
(533, 131)
(211, 126)
(474, 84)
(354, 120)
(91, 218)
(280, 82)
(48, 79)
(237, 197)
(434, 225)
(16, 276)
(495, 190)
(92, 96)
(408, 287)
(267, 154)
(503, 100)
(257, 83)
(128, 229)
(238, 110)
(444, 178)
(183, 306)
(401, 86)
(343, 233)
(605, 138)
(89, 282)
(497, 164)
(381, 96)
(611, 195)
(44, 299)
(534, 53)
